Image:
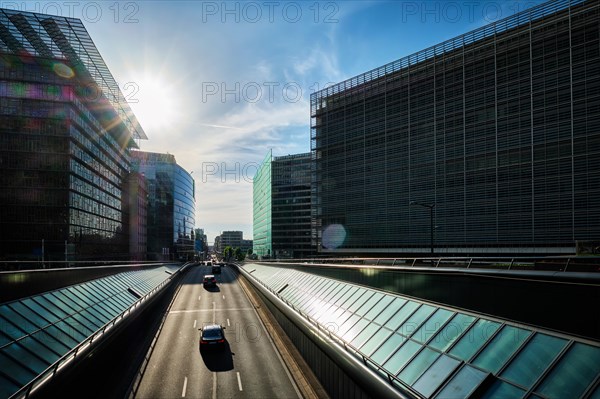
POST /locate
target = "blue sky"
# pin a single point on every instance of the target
(218, 84)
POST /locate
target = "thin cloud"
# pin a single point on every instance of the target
(220, 126)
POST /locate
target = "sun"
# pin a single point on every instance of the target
(153, 101)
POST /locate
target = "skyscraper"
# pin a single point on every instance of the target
(496, 132)
(171, 204)
(65, 135)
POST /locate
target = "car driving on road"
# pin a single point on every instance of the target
(212, 336)
(209, 281)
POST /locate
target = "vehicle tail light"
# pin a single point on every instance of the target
(203, 341)
(221, 341)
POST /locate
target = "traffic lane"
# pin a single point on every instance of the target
(223, 364)
(175, 355)
(259, 370)
(248, 367)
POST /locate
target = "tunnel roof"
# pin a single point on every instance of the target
(436, 351)
(40, 333)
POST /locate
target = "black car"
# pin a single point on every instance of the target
(209, 281)
(212, 336)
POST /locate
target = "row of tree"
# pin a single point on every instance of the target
(230, 253)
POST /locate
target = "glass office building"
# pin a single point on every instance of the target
(282, 207)
(498, 130)
(261, 208)
(65, 134)
(291, 208)
(171, 204)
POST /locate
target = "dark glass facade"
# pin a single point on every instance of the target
(282, 207)
(171, 204)
(291, 207)
(498, 129)
(65, 133)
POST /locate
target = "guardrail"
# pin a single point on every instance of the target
(392, 379)
(51, 371)
(22, 265)
(559, 263)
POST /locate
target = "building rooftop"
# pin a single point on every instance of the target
(523, 18)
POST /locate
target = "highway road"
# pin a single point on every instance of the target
(249, 366)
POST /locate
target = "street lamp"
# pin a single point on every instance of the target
(430, 206)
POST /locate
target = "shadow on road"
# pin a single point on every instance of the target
(218, 360)
(212, 289)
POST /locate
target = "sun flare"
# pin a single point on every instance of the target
(154, 102)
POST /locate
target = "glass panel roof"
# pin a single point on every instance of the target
(439, 351)
(463, 384)
(574, 372)
(36, 332)
(533, 360)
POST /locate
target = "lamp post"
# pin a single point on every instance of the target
(430, 206)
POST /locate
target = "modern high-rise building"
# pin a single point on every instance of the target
(282, 207)
(261, 209)
(488, 143)
(65, 134)
(171, 204)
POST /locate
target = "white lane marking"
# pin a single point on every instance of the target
(199, 298)
(214, 391)
(184, 387)
(214, 312)
(239, 381)
(228, 325)
(195, 321)
(223, 296)
(207, 310)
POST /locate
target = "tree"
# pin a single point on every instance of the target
(227, 253)
(239, 255)
(249, 251)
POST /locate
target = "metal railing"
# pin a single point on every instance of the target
(549, 263)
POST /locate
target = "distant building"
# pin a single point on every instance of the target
(201, 243)
(498, 130)
(246, 245)
(65, 135)
(282, 207)
(232, 239)
(136, 200)
(217, 247)
(171, 204)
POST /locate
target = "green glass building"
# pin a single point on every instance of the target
(261, 210)
(282, 207)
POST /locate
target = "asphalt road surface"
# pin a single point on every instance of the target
(248, 367)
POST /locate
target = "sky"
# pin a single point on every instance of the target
(219, 83)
